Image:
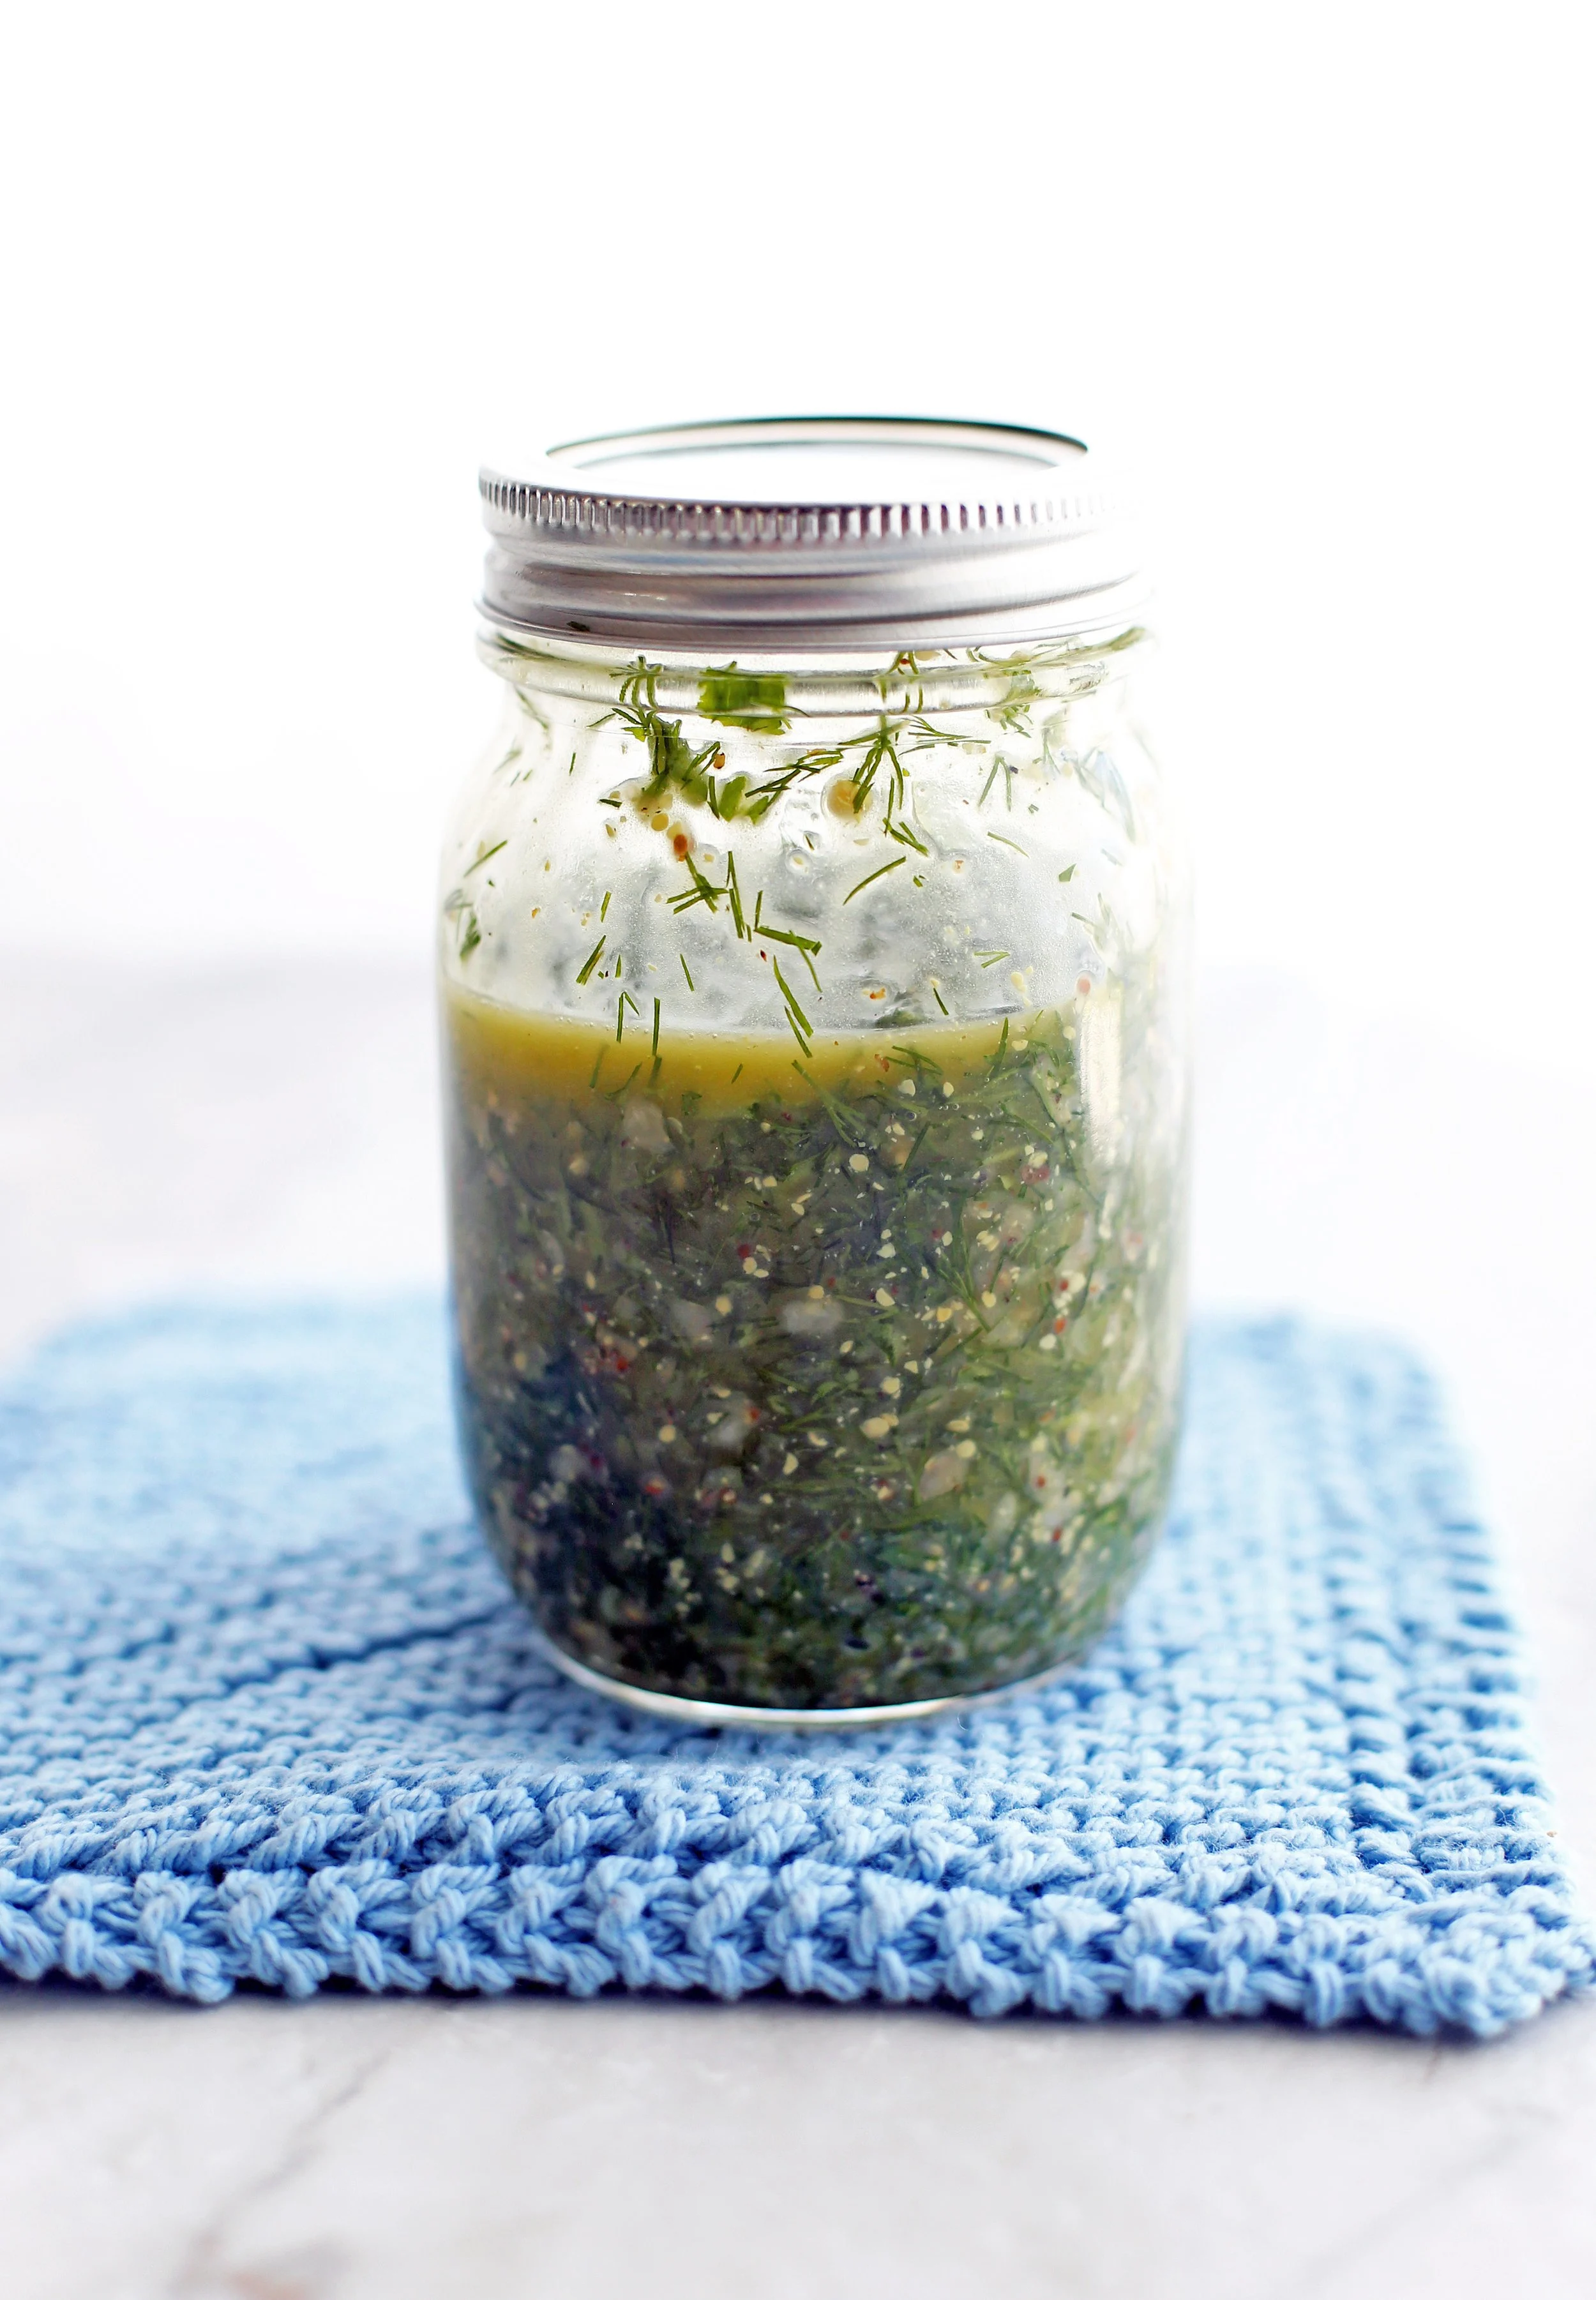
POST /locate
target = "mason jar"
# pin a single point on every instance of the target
(813, 984)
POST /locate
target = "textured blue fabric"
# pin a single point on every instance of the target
(267, 1714)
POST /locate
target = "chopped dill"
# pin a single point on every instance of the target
(896, 864)
(744, 932)
(468, 933)
(806, 946)
(755, 701)
(905, 836)
(833, 1108)
(702, 890)
(792, 1005)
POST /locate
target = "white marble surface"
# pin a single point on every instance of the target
(275, 1129)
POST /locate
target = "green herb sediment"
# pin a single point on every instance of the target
(909, 1340)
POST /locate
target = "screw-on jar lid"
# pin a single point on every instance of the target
(792, 533)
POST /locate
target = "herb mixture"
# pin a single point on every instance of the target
(813, 1376)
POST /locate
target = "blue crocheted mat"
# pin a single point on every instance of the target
(269, 1715)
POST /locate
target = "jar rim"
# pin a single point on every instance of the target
(816, 532)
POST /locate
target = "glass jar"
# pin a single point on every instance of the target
(812, 951)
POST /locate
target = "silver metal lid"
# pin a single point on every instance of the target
(786, 533)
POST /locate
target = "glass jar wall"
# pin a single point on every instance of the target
(817, 1105)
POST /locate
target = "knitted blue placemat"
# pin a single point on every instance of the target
(267, 1714)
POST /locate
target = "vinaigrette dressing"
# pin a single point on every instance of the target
(812, 954)
(837, 1383)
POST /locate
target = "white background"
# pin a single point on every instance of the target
(276, 279)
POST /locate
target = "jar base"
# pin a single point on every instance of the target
(677, 1709)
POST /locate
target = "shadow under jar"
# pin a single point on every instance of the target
(813, 956)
